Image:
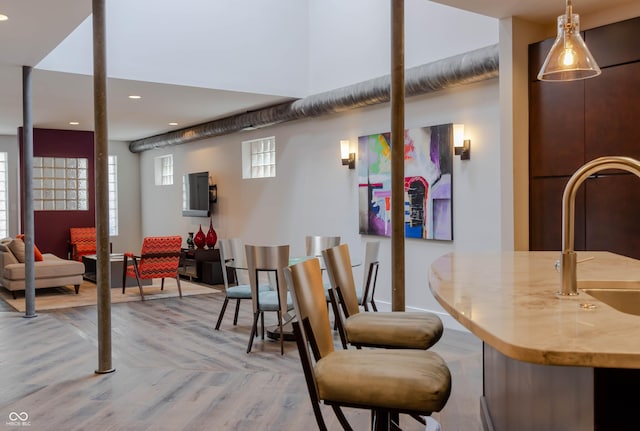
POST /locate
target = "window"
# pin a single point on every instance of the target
(164, 170)
(60, 184)
(112, 172)
(4, 197)
(259, 158)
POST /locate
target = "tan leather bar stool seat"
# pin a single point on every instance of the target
(407, 380)
(394, 329)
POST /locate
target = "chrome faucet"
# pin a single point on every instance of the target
(568, 260)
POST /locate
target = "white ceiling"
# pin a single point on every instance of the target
(36, 27)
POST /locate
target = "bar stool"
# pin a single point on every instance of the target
(393, 330)
(387, 382)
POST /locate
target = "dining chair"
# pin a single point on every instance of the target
(386, 382)
(370, 276)
(394, 329)
(232, 252)
(314, 244)
(159, 258)
(269, 260)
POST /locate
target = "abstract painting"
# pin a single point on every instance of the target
(427, 183)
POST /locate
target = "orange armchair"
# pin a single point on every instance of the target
(159, 258)
(82, 242)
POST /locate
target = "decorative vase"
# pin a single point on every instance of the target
(199, 240)
(190, 240)
(212, 236)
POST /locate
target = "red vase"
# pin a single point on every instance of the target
(199, 240)
(212, 236)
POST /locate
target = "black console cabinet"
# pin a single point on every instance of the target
(206, 262)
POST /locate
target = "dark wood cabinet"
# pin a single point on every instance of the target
(203, 263)
(571, 123)
(612, 213)
(545, 221)
(556, 128)
(612, 113)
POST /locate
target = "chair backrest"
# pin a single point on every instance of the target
(371, 251)
(224, 245)
(305, 283)
(160, 257)
(237, 253)
(273, 260)
(338, 264)
(231, 250)
(315, 244)
(83, 241)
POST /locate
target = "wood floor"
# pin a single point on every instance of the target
(174, 372)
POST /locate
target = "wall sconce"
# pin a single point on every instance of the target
(348, 158)
(213, 193)
(461, 146)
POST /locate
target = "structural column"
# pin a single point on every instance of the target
(27, 182)
(397, 156)
(102, 187)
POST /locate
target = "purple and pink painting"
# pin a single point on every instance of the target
(427, 183)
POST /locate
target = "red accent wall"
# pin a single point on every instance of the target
(51, 228)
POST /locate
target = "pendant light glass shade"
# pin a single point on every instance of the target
(569, 58)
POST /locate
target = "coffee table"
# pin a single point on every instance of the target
(116, 267)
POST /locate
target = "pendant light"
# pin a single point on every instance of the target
(569, 58)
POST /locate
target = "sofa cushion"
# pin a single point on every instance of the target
(17, 248)
(52, 266)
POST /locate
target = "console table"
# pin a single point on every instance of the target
(207, 264)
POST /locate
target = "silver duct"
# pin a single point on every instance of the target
(463, 69)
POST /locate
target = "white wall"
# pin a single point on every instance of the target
(129, 209)
(9, 144)
(313, 194)
(349, 41)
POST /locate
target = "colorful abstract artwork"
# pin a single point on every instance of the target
(427, 183)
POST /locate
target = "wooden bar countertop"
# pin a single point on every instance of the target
(509, 301)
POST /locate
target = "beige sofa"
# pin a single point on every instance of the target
(52, 271)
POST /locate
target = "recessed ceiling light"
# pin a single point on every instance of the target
(73, 123)
(173, 124)
(133, 96)
(3, 17)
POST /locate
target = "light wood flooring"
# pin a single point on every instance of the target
(174, 372)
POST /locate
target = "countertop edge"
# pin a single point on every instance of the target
(536, 355)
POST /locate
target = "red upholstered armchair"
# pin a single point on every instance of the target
(159, 258)
(82, 242)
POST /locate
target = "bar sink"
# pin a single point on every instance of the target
(622, 295)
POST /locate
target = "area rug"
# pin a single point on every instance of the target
(65, 296)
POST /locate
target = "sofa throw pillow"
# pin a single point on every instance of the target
(4, 244)
(36, 252)
(17, 248)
